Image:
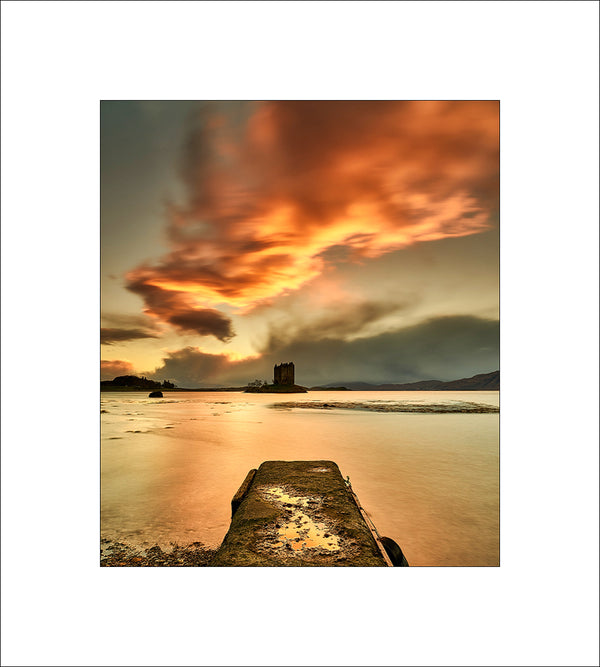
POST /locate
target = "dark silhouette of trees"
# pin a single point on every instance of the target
(136, 382)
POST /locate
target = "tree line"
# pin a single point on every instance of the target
(138, 382)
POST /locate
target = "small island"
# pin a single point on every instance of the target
(283, 382)
(135, 383)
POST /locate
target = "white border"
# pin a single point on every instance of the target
(540, 60)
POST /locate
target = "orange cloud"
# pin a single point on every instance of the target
(267, 200)
(113, 368)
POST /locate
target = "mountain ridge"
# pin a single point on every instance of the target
(480, 382)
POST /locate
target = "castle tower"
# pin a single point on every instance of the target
(284, 374)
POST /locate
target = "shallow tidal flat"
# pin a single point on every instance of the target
(423, 463)
(394, 406)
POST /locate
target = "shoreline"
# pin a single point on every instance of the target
(114, 553)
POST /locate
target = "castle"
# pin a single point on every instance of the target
(283, 373)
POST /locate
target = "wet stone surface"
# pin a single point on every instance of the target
(301, 527)
(298, 513)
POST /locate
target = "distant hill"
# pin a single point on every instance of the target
(482, 382)
(329, 388)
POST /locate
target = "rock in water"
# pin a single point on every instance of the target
(155, 394)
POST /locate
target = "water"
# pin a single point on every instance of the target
(427, 477)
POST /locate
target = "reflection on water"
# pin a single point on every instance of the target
(298, 530)
(429, 480)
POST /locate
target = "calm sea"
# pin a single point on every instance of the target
(427, 477)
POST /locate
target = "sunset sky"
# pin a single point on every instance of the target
(357, 239)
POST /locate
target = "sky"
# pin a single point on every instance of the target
(358, 239)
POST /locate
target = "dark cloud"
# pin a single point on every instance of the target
(443, 348)
(114, 368)
(205, 322)
(193, 368)
(109, 336)
(176, 309)
(267, 207)
(342, 321)
(122, 321)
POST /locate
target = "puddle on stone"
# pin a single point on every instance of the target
(297, 530)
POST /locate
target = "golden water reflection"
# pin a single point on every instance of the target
(170, 467)
(299, 530)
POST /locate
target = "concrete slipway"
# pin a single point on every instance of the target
(301, 513)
